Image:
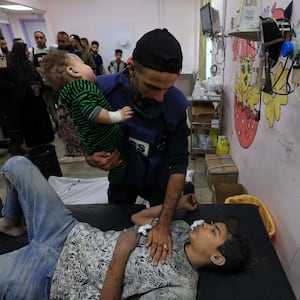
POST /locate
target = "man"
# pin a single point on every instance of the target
(155, 137)
(36, 56)
(85, 43)
(3, 46)
(86, 56)
(40, 50)
(63, 43)
(100, 70)
(66, 259)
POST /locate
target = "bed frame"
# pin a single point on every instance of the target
(263, 279)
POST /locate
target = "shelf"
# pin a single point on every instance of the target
(205, 114)
(199, 151)
(207, 98)
(204, 125)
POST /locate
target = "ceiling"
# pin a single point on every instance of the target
(4, 2)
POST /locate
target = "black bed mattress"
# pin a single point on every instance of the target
(264, 279)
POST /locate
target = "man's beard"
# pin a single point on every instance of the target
(140, 100)
(145, 106)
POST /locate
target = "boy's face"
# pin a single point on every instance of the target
(79, 70)
(118, 56)
(206, 238)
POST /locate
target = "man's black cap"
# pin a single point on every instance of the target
(159, 50)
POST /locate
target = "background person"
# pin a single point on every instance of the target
(85, 43)
(3, 46)
(100, 70)
(37, 54)
(36, 123)
(67, 130)
(85, 54)
(117, 65)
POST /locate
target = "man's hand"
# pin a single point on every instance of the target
(159, 238)
(104, 160)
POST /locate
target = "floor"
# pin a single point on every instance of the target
(83, 170)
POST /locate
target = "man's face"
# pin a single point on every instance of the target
(62, 41)
(206, 238)
(150, 85)
(40, 40)
(75, 44)
(94, 48)
(3, 44)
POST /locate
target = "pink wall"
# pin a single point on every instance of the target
(84, 18)
(269, 168)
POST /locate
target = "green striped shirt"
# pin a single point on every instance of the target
(83, 98)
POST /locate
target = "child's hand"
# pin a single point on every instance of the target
(188, 202)
(126, 113)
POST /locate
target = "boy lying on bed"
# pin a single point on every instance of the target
(66, 259)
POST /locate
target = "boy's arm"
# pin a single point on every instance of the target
(145, 216)
(112, 286)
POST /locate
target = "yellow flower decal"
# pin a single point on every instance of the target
(247, 94)
(273, 102)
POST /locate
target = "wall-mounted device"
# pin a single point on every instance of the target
(246, 24)
(210, 20)
(292, 49)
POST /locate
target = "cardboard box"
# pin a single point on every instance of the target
(221, 191)
(202, 112)
(220, 169)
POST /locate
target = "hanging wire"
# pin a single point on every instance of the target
(287, 84)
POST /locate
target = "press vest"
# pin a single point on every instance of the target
(146, 133)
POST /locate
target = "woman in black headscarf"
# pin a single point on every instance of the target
(35, 119)
(10, 105)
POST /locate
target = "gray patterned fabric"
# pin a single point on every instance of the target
(86, 255)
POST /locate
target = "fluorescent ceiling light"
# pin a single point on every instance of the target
(16, 7)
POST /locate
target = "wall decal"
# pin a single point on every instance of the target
(278, 98)
(246, 116)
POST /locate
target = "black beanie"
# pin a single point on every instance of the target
(159, 50)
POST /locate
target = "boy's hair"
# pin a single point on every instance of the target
(54, 69)
(236, 249)
(117, 51)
